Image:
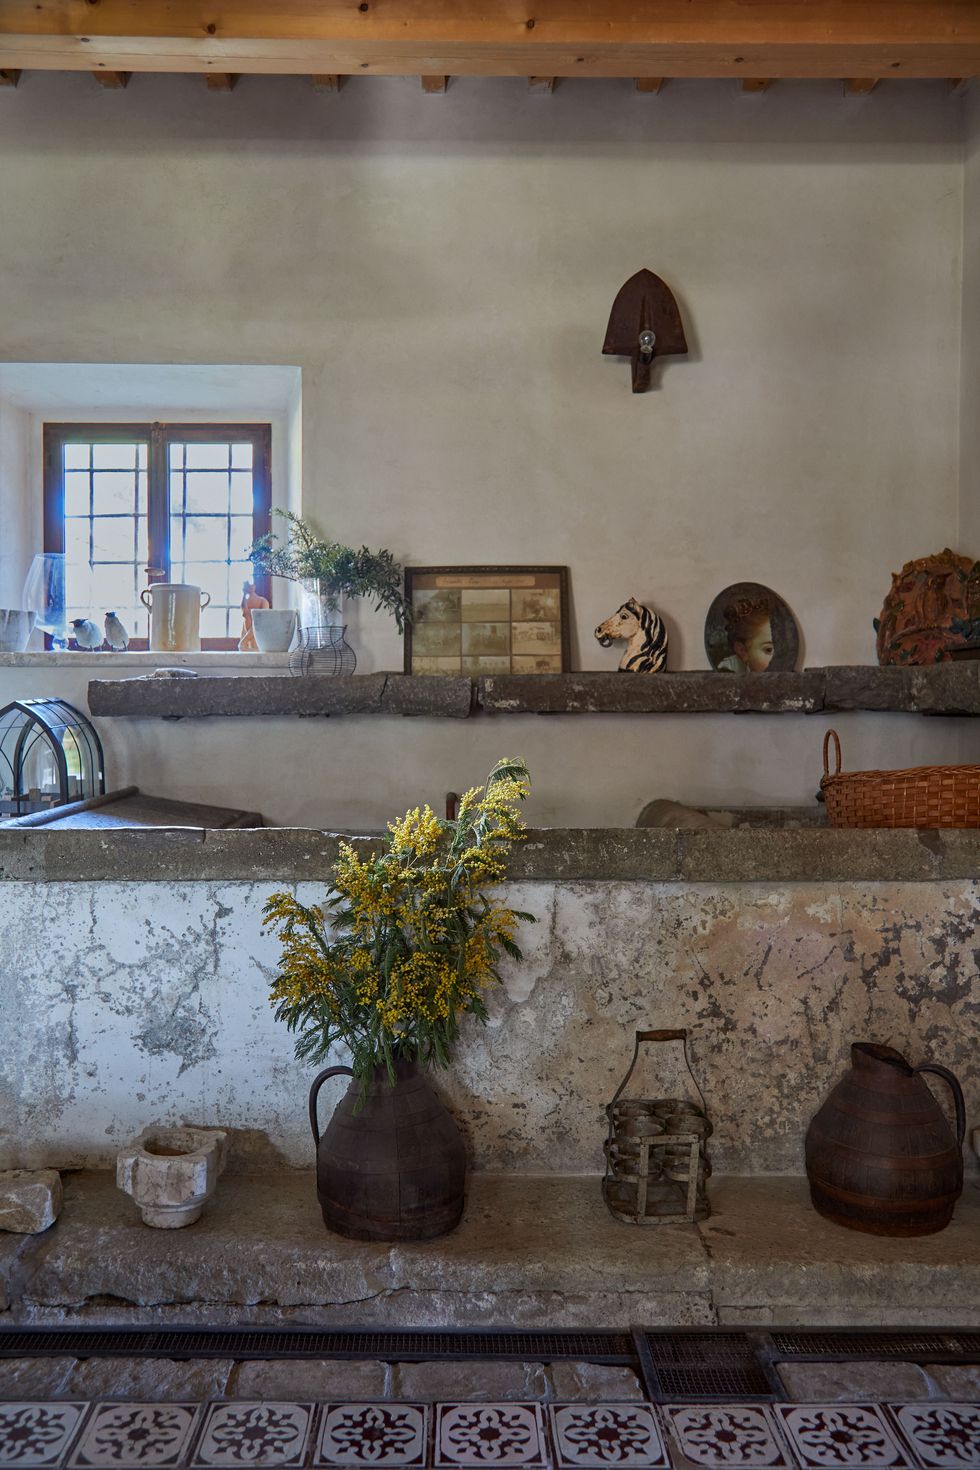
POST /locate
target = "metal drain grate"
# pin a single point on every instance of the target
(871, 1344)
(702, 1365)
(244, 1342)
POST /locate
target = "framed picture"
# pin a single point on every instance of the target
(487, 620)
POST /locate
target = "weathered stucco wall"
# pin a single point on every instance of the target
(130, 1003)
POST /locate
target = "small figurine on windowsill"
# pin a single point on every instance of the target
(251, 602)
(87, 635)
(115, 634)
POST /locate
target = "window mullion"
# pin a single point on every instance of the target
(158, 507)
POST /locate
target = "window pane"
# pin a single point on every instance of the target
(142, 455)
(241, 537)
(239, 573)
(114, 456)
(76, 456)
(113, 493)
(207, 493)
(142, 546)
(113, 588)
(114, 539)
(176, 452)
(214, 623)
(77, 542)
(206, 538)
(76, 492)
(241, 493)
(207, 456)
(241, 456)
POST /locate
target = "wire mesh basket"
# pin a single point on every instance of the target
(323, 650)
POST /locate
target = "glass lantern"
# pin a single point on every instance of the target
(50, 755)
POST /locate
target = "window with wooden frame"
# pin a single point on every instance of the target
(131, 504)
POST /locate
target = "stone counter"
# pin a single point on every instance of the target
(139, 999)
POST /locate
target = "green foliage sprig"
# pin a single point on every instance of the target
(340, 570)
(407, 941)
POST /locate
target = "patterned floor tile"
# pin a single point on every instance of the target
(259, 1434)
(154, 1436)
(942, 1435)
(386, 1434)
(489, 1434)
(726, 1436)
(37, 1434)
(841, 1436)
(606, 1434)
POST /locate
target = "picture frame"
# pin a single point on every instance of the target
(472, 621)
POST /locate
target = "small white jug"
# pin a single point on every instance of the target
(175, 616)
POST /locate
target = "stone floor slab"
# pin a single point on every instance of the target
(955, 1380)
(860, 1383)
(582, 1382)
(148, 1380)
(33, 1378)
(484, 1381)
(301, 1378)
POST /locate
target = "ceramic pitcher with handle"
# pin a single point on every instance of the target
(175, 616)
(880, 1155)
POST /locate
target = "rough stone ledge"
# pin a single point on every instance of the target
(531, 1250)
(951, 688)
(556, 854)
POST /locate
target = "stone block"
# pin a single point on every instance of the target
(956, 1381)
(687, 692)
(488, 1380)
(594, 1382)
(301, 1379)
(313, 694)
(34, 1378)
(149, 1380)
(853, 1383)
(868, 687)
(30, 1200)
(435, 695)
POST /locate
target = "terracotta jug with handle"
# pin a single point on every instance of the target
(880, 1155)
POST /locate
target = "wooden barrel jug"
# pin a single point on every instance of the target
(880, 1155)
(392, 1167)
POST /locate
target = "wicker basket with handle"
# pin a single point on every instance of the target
(921, 796)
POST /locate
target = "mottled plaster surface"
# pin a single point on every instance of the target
(126, 1004)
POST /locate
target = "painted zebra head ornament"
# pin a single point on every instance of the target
(645, 635)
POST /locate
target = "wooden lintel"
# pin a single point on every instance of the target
(328, 82)
(755, 84)
(221, 81)
(542, 84)
(564, 38)
(434, 84)
(9, 76)
(859, 86)
(648, 84)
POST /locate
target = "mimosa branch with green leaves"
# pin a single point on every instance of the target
(408, 941)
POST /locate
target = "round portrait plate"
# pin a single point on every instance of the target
(750, 630)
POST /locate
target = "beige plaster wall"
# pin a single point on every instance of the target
(441, 269)
(16, 521)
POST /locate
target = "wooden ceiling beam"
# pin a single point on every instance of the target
(564, 38)
(328, 82)
(541, 84)
(859, 86)
(648, 84)
(9, 76)
(113, 81)
(756, 84)
(221, 81)
(434, 85)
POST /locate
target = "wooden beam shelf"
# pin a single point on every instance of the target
(863, 39)
(940, 689)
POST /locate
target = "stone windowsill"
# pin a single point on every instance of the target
(563, 855)
(210, 662)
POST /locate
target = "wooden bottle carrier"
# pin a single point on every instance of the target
(656, 1164)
